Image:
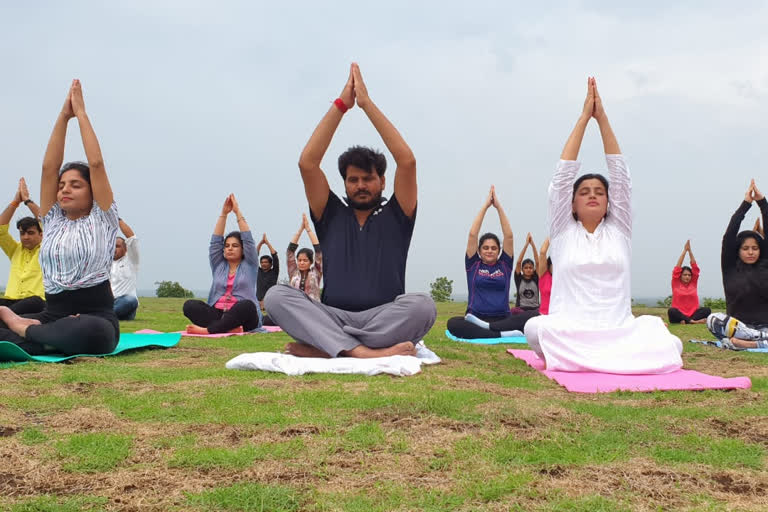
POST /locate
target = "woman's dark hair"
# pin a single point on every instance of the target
(683, 269)
(309, 253)
(266, 257)
(591, 176)
(363, 158)
(25, 223)
(234, 234)
(526, 261)
(549, 262)
(488, 236)
(82, 167)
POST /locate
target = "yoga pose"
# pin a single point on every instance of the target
(685, 296)
(489, 271)
(232, 303)
(269, 270)
(745, 280)
(364, 311)
(125, 269)
(80, 223)
(305, 275)
(590, 326)
(527, 279)
(24, 292)
(545, 278)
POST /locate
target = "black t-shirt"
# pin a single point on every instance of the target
(267, 279)
(363, 267)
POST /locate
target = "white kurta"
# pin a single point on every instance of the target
(590, 326)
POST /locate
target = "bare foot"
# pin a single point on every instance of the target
(15, 322)
(406, 348)
(196, 329)
(702, 321)
(236, 330)
(303, 350)
(737, 342)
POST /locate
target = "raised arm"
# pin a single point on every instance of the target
(573, 144)
(24, 197)
(221, 222)
(310, 232)
(315, 182)
(297, 235)
(535, 254)
(610, 145)
(406, 189)
(7, 214)
(519, 263)
(100, 187)
(474, 230)
(542, 269)
(730, 248)
(761, 202)
(680, 260)
(758, 227)
(126, 229)
(54, 156)
(508, 244)
(242, 225)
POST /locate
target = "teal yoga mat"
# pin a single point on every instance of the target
(488, 341)
(10, 352)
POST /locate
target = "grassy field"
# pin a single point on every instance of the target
(174, 430)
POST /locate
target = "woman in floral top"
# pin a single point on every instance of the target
(302, 273)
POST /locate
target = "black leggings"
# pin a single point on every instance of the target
(244, 313)
(33, 304)
(461, 328)
(73, 322)
(675, 316)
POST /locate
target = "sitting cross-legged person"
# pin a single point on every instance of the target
(125, 269)
(24, 292)
(232, 304)
(365, 311)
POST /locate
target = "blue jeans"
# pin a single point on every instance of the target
(126, 306)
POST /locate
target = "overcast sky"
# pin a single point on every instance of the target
(192, 100)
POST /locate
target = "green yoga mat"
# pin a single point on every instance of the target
(10, 352)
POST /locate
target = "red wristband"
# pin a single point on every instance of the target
(341, 105)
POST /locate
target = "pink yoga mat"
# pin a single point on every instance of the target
(268, 328)
(593, 382)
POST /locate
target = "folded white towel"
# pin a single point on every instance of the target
(400, 366)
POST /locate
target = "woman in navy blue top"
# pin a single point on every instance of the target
(489, 266)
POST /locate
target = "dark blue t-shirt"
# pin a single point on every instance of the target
(363, 267)
(488, 285)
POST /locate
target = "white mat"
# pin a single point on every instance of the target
(399, 366)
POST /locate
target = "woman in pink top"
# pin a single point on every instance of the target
(545, 278)
(685, 296)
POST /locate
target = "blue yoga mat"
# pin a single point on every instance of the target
(488, 341)
(10, 352)
(718, 344)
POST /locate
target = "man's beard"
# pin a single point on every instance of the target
(373, 202)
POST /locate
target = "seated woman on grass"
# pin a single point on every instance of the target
(80, 222)
(527, 279)
(489, 271)
(545, 278)
(232, 304)
(303, 274)
(745, 280)
(590, 326)
(685, 296)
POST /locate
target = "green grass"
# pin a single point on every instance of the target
(481, 431)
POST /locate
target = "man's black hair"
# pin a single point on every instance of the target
(363, 158)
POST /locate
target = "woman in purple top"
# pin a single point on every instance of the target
(489, 266)
(232, 304)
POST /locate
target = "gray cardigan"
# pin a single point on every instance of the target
(244, 287)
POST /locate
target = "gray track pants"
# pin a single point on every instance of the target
(334, 330)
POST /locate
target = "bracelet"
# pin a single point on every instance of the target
(15, 203)
(28, 201)
(341, 105)
(240, 218)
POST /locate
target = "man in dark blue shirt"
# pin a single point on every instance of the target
(365, 311)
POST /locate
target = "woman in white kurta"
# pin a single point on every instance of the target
(590, 326)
